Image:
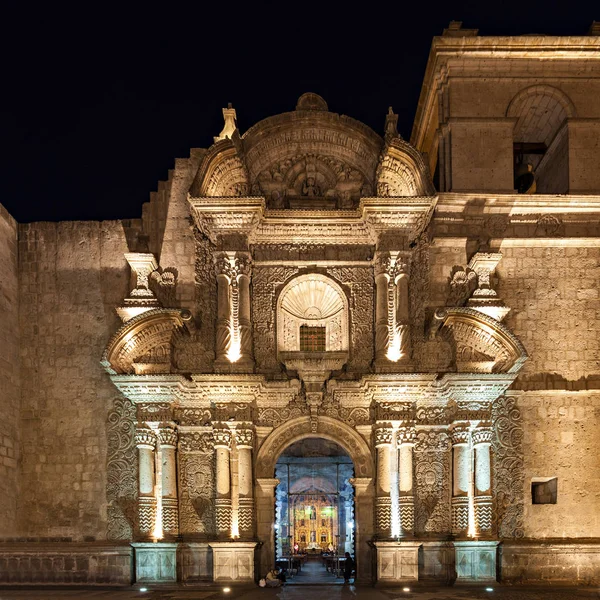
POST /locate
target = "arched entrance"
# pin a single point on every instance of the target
(357, 449)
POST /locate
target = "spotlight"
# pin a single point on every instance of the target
(406, 589)
(226, 590)
(489, 589)
(143, 589)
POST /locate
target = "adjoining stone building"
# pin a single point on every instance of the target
(307, 279)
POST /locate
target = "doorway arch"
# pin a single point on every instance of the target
(360, 453)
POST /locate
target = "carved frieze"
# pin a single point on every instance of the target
(266, 282)
(196, 441)
(121, 470)
(359, 280)
(508, 467)
(433, 475)
(196, 490)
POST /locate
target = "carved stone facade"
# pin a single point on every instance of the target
(310, 282)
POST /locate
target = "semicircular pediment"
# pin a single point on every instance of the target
(144, 344)
(482, 344)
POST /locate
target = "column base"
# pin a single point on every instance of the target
(233, 562)
(397, 562)
(475, 561)
(155, 562)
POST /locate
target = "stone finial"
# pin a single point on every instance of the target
(230, 116)
(594, 28)
(484, 298)
(391, 125)
(141, 297)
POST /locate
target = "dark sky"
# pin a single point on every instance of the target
(98, 100)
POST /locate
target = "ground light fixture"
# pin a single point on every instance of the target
(406, 589)
(226, 590)
(143, 589)
(489, 589)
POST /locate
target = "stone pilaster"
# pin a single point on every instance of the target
(223, 498)
(167, 437)
(244, 443)
(392, 334)
(383, 502)
(482, 439)
(234, 335)
(461, 478)
(146, 442)
(406, 441)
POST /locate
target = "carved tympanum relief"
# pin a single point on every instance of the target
(312, 300)
(311, 176)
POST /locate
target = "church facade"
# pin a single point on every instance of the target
(431, 307)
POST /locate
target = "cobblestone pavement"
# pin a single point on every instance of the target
(307, 592)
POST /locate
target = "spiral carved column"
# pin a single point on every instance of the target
(461, 478)
(167, 437)
(243, 440)
(406, 441)
(145, 441)
(482, 439)
(383, 504)
(223, 498)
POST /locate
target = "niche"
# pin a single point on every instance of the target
(544, 490)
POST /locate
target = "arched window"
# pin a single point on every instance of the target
(541, 140)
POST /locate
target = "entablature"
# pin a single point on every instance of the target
(222, 217)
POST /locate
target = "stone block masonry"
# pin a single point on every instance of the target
(72, 276)
(10, 388)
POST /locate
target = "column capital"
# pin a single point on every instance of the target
(459, 433)
(483, 435)
(407, 435)
(391, 263)
(145, 438)
(384, 436)
(167, 436)
(244, 438)
(222, 438)
(233, 264)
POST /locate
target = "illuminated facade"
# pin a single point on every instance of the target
(312, 279)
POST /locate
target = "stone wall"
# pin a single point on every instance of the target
(562, 439)
(9, 374)
(553, 290)
(72, 277)
(550, 562)
(64, 564)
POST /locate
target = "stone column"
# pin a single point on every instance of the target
(223, 271)
(461, 478)
(383, 443)
(402, 312)
(244, 266)
(406, 440)
(146, 441)
(243, 440)
(223, 499)
(382, 338)
(167, 437)
(482, 439)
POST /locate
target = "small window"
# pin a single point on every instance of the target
(544, 490)
(312, 339)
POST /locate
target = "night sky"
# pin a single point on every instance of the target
(98, 100)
